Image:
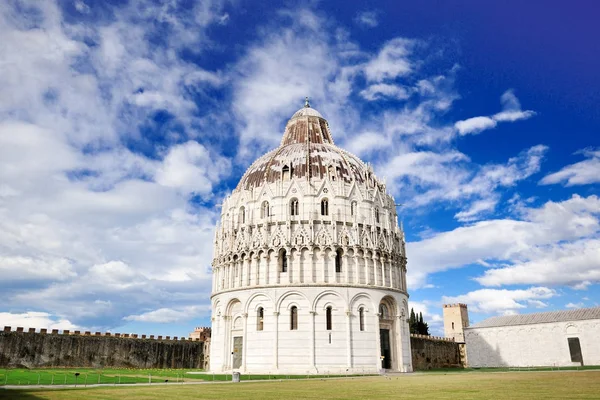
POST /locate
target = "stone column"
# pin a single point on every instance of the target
(312, 340)
(376, 271)
(400, 341)
(245, 341)
(290, 265)
(230, 275)
(277, 268)
(349, 336)
(241, 269)
(311, 267)
(346, 267)
(377, 343)
(366, 265)
(276, 342)
(249, 264)
(265, 261)
(356, 268)
(226, 348)
(391, 266)
(257, 265)
(323, 270)
(382, 262)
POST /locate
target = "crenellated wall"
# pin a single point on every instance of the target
(33, 349)
(431, 352)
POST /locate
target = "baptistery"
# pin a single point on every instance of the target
(309, 268)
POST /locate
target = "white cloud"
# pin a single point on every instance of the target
(475, 125)
(502, 301)
(476, 209)
(511, 112)
(89, 227)
(531, 250)
(191, 167)
(369, 19)
(391, 62)
(37, 320)
(574, 305)
(581, 173)
(169, 315)
(567, 264)
(81, 6)
(379, 90)
(450, 176)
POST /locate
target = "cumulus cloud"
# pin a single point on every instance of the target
(532, 249)
(451, 177)
(191, 167)
(391, 62)
(581, 173)
(503, 301)
(511, 112)
(37, 320)
(95, 222)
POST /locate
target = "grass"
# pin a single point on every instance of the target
(480, 385)
(66, 376)
(512, 369)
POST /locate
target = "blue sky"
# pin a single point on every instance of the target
(123, 124)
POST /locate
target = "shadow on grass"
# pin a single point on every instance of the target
(17, 394)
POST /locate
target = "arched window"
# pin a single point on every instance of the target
(260, 315)
(338, 260)
(283, 260)
(264, 210)
(377, 215)
(361, 319)
(242, 215)
(328, 316)
(294, 318)
(324, 207)
(353, 208)
(453, 325)
(286, 173)
(383, 310)
(331, 173)
(294, 207)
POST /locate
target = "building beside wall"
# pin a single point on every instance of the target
(556, 338)
(309, 269)
(456, 319)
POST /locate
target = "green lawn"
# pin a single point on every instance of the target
(66, 376)
(476, 385)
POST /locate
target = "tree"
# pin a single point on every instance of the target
(413, 322)
(422, 327)
(417, 325)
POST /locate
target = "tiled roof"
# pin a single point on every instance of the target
(540, 318)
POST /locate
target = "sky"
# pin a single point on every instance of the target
(124, 124)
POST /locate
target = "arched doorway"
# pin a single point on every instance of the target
(387, 333)
(235, 336)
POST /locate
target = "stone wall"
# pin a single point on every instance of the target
(430, 352)
(33, 349)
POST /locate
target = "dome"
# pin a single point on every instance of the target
(307, 111)
(307, 151)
